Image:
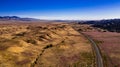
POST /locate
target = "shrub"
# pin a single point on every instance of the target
(31, 41)
(20, 34)
(48, 46)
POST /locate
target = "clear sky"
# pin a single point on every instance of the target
(61, 9)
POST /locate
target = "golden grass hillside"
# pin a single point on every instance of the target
(43, 45)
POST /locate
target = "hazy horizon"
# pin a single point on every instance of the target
(62, 9)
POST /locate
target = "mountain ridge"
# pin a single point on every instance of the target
(17, 18)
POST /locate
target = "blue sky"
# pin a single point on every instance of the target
(62, 9)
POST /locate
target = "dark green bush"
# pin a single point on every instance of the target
(48, 46)
(31, 41)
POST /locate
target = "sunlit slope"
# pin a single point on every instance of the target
(43, 45)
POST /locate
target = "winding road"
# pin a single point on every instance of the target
(99, 60)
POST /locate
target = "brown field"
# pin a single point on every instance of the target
(108, 43)
(43, 45)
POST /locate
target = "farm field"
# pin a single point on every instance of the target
(43, 45)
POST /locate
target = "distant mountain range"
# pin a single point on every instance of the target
(17, 18)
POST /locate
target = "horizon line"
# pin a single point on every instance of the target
(48, 18)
